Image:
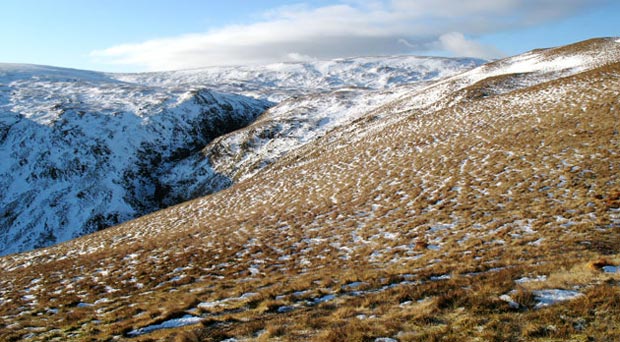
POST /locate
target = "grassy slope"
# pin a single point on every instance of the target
(499, 187)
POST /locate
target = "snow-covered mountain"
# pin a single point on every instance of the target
(81, 151)
(281, 81)
(84, 150)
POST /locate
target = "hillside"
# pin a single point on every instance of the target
(483, 207)
(81, 151)
(84, 150)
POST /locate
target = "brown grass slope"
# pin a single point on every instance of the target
(409, 224)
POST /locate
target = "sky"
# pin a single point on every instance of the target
(157, 35)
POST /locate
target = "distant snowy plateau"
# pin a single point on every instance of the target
(81, 151)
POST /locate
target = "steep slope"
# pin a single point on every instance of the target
(482, 207)
(279, 131)
(318, 97)
(297, 121)
(86, 150)
(81, 151)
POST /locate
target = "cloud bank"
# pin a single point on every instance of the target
(347, 28)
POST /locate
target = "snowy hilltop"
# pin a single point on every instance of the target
(281, 81)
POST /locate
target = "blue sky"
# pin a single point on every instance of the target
(142, 35)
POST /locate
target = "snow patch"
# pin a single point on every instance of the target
(254, 271)
(552, 296)
(102, 300)
(441, 277)
(510, 301)
(537, 242)
(169, 324)
(434, 247)
(324, 299)
(528, 280)
(353, 285)
(217, 303)
(285, 309)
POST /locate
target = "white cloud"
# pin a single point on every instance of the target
(458, 45)
(348, 28)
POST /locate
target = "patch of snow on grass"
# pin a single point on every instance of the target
(537, 242)
(390, 236)
(441, 226)
(301, 293)
(254, 271)
(552, 296)
(110, 289)
(102, 300)
(285, 309)
(441, 277)
(323, 299)
(171, 323)
(213, 304)
(353, 285)
(434, 247)
(249, 295)
(506, 298)
(526, 228)
(527, 279)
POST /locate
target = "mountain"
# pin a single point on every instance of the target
(81, 151)
(84, 150)
(281, 81)
(482, 206)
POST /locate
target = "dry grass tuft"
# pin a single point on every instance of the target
(597, 265)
